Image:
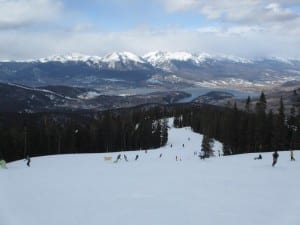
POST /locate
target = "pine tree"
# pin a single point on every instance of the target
(248, 104)
(292, 128)
(270, 134)
(206, 146)
(260, 123)
(280, 128)
(261, 105)
(226, 149)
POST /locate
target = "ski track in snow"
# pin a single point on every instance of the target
(84, 189)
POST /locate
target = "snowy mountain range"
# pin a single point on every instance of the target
(167, 69)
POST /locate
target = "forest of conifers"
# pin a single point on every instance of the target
(251, 129)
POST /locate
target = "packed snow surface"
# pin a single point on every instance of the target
(84, 189)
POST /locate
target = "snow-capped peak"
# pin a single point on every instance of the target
(233, 58)
(159, 56)
(164, 60)
(284, 60)
(122, 57)
(70, 57)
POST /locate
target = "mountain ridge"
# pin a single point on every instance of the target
(120, 70)
(168, 55)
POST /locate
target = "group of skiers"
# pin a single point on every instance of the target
(202, 156)
(275, 156)
(125, 158)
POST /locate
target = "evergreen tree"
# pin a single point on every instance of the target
(226, 149)
(270, 134)
(280, 128)
(292, 128)
(261, 104)
(206, 146)
(260, 123)
(248, 104)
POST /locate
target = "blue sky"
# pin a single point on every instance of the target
(246, 28)
(126, 15)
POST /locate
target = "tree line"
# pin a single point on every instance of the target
(60, 133)
(251, 129)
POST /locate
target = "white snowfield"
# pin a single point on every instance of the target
(84, 189)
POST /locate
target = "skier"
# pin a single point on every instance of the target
(160, 155)
(118, 158)
(183, 145)
(28, 160)
(292, 155)
(171, 145)
(3, 163)
(259, 157)
(275, 157)
(125, 157)
(136, 157)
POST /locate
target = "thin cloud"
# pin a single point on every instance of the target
(23, 13)
(243, 41)
(253, 28)
(245, 12)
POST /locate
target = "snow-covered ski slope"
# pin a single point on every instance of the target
(84, 189)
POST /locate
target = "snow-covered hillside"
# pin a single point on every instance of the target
(165, 60)
(84, 189)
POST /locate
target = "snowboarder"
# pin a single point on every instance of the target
(160, 155)
(136, 157)
(275, 157)
(125, 157)
(28, 160)
(183, 145)
(171, 145)
(258, 157)
(292, 155)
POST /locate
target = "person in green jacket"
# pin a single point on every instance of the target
(3, 163)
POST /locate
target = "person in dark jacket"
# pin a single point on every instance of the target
(275, 157)
(28, 161)
(136, 157)
(292, 155)
(258, 157)
(118, 158)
